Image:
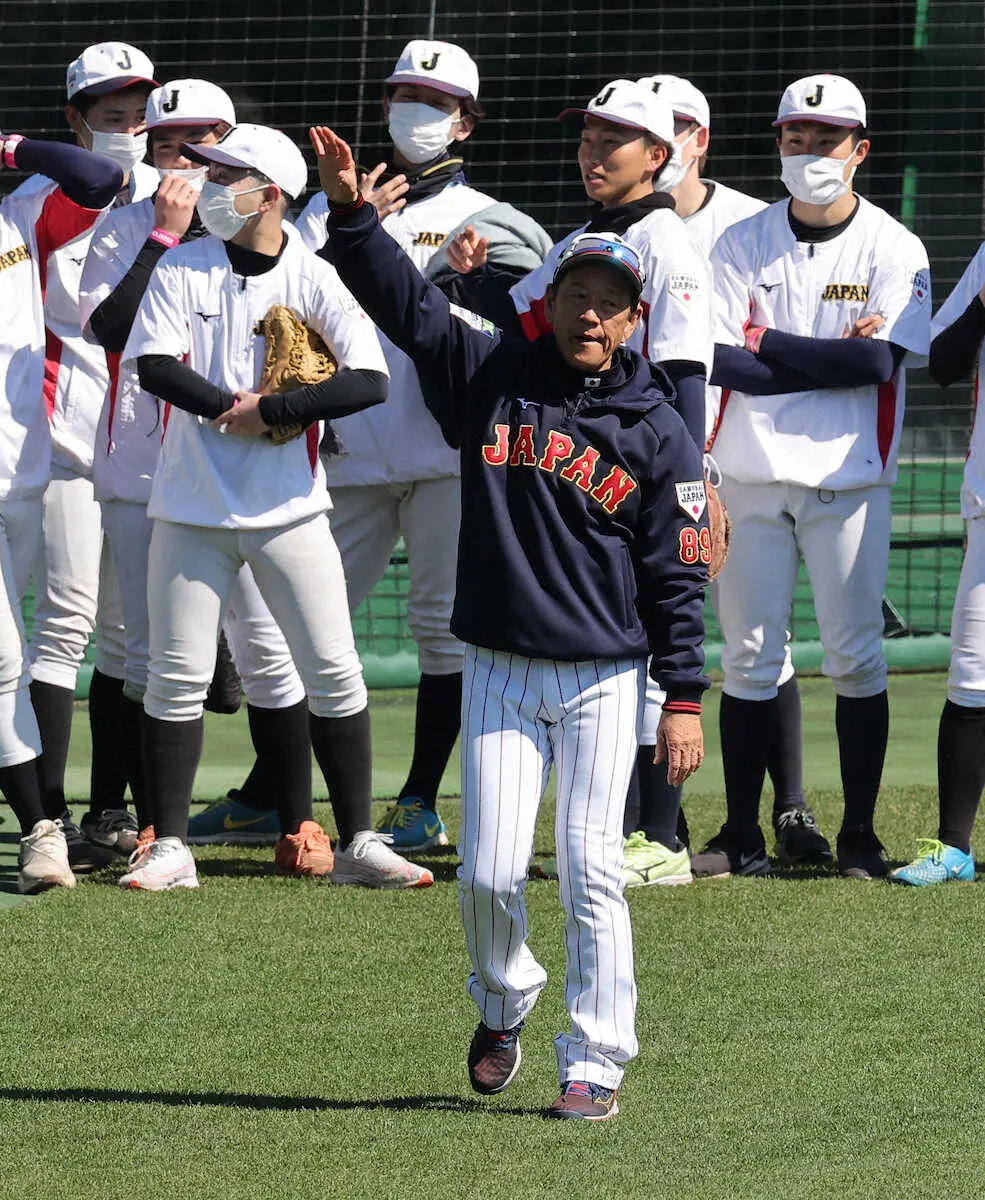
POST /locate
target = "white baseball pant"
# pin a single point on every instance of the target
(110, 631)
(366, 523)
(259, 649)
(844, 539)
(966, 679)
(66, 578)
(20, 540)
(520, 716)
(655, 695)
(298, 570)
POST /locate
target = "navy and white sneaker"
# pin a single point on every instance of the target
(799, 840)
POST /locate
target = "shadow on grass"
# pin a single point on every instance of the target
(10, 844)
(258, 1103)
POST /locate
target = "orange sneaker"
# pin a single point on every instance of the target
(145, 839)
(307, 853)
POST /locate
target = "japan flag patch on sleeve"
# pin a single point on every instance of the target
(691, 498)
(682, 286)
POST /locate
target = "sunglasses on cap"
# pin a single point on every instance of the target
(602, 248)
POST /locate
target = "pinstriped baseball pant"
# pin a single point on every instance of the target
(520, 717)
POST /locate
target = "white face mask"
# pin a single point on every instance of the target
(418, 131)
(674, 170)
(217, 209)
(194, 175)
(124, 149)
(815, 178)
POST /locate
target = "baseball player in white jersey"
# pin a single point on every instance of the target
(223, 494)
(627, 146)
(398, 477)
(824, 300)
(107, 87)
(124, 252)
(656, 829)
(957, 353)
(33, 225)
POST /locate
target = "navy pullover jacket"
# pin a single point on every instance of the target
(584, 533)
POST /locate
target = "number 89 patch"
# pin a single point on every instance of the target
(694, 545)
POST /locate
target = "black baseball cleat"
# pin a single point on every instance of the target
(494, 1059)
(83, 856)
(860, 854)
(729, 853)
(799, 839)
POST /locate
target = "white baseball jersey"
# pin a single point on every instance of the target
(677, 309)
(75, 373)
(722, 208)
(130, 429)
(833, 438)
(197, 309)
(33, 224)
(965, 290)
(398, 441)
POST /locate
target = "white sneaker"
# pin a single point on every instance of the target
(167, 864)
(114, 828)
(43, 859)
(369, 861)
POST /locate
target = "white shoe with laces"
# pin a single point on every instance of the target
(166, 864)
(43, 859)
(369, 861)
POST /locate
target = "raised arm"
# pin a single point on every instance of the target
(86, 179)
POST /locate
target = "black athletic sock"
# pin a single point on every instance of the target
(108, 774)
(22, 791)
(862, 726)
(436, 725)
(631, 814)
(660, 803)
(748, 731)
(282, 743)
(255, 791)
(172, 750)
(786, 760)
(960, 772)
(683, 830)
(132, 723)
(343, 749)
(53, 709)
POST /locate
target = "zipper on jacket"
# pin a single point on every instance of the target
(572, 408)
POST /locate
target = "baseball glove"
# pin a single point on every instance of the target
(294, 357)
(720, 528)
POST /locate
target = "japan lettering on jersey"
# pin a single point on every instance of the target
(398, 441)
(76, 372)
(130, 428)
(832, 438)
(677, 309)
(33, 225)
(965, 290)
(722, 208)
(196, 309)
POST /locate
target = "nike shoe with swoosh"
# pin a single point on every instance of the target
(410, 825)
(369, 861)
(730, 854)
(799, 839)
(936, 862)
(229, 822)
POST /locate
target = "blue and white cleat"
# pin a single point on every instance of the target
(408, 825)
(935, 862)
(229, 822)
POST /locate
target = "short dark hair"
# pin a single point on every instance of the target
(859, 134)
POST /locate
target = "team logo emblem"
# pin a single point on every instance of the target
(125, 62)
(171, 103)
(602, 99)
(814, 101)
(691, 498)
(432, 62)
(921, 285)
(682, 287)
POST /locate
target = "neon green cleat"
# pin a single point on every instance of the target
(649, 864)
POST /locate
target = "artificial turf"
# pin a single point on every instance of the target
(801, 1036)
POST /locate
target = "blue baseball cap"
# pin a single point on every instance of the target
(608, 248)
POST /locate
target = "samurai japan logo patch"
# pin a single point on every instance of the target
(691, 498)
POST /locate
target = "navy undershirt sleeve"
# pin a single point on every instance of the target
(742, 371)
(346, 392)
(112, 320)
(954, 352)
(689, 382)
(176, 383)
(86, 178)
(833, 362)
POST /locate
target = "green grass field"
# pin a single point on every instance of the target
(263, 1037)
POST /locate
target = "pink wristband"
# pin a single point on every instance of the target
(9, 148)
(165, 238)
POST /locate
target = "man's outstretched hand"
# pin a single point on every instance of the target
(336, 166)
